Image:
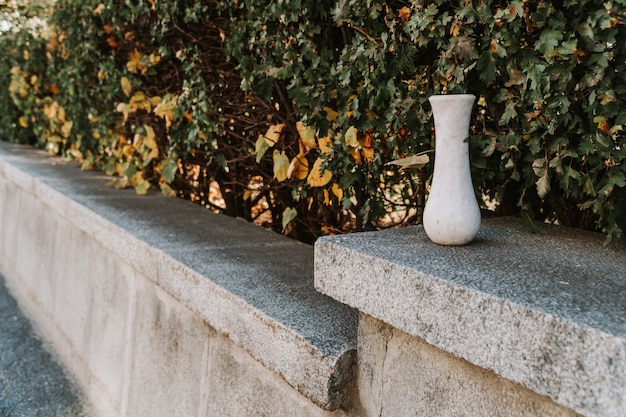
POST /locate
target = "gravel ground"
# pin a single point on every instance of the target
(32, 383)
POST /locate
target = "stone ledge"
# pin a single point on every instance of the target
(248, 283)
(546, 310)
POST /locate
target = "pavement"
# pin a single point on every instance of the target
(32, 383)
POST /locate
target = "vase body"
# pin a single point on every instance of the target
(451, 215)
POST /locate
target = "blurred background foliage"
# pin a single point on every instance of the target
(288, 112)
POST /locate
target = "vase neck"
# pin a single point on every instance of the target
(452, 115)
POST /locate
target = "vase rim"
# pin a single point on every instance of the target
(451, 96)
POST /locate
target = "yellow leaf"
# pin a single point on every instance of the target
(149, 131)
(337, 191)
(137, 141)
(326, 198)
(155, 101)
(281, 165)
(52, 147)
(66, 129)
(405, 14)
(331, 115)
(368, 154)
(139, 101)
(127, 150)
(120, 183)
(125, 109)
(134, 64)
(23, 122)
(317, 178)
(140, 184)
(412, 162)
(165, 110)
(455, 28)
(149, 140)
(61, 114)
(351, 137)
(604, 126)
(127, 87)
(325, 144)
(354, 152)
(51, 110)
(606, 99)
(273, 134)
(155, 59)
(99, 9)
(299, 167)
(307, 135)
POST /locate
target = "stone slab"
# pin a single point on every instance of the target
(252, 285)
(545, 309)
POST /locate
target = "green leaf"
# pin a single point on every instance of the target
(281, 165)
(169, 170)
(260, 147)
(568, 47)
(616, 177)
(588, 186)
(486, 67)
(528, 221)
(509, 114)
(543, 184)
(288, 215)
(167, 191)
(548, 41)
(142, 187)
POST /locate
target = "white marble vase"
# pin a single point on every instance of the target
(452, 215)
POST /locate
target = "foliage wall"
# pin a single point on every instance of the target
(295, 109)
(23, 37)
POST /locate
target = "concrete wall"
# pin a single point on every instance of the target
(132, 304)
(401, 375)
(160, 308)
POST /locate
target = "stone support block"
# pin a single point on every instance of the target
(546, 310)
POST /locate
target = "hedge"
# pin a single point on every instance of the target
(295, 110)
